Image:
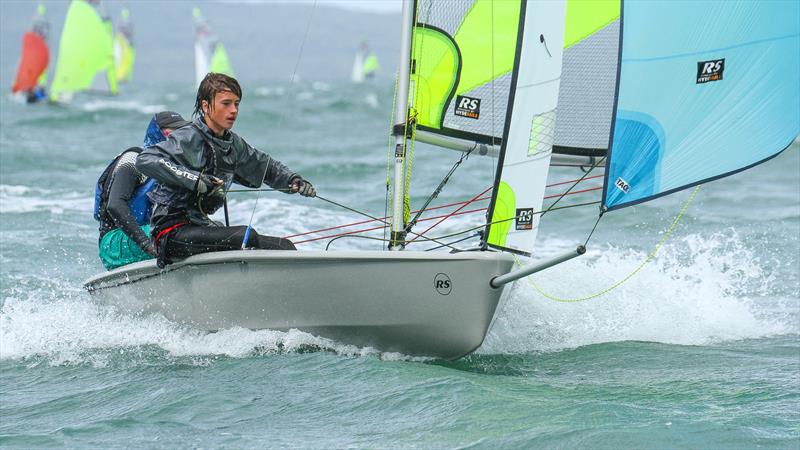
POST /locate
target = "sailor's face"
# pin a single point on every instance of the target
(223, 112)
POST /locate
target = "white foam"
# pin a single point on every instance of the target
(23, 199)
(265, 91)
(700, 290)
(76, 331)
(120, 105)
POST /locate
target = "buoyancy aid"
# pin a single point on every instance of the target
(140, 203)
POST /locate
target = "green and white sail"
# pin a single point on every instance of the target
(530, 129)
(124, 51)
(365, 64)
(85, 53)
(209, 53)
(462, 60)
(486, 74)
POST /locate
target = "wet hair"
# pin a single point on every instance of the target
(212, 84)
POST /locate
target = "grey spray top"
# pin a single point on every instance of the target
(193, 149)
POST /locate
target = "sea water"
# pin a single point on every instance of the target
(699, 349)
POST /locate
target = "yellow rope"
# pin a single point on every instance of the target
(412, 119)
(649, 258)
(391, 135)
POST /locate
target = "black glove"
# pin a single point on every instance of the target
(303, 187)
(206, 183)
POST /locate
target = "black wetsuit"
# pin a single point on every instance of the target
(122, 182)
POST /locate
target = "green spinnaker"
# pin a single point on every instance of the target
(85, 49)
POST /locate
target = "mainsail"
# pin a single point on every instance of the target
(209, 53)
(124, 51)
(86, 53)
(487, 73)
(462, 60)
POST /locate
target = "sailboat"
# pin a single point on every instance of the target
(209, 53)
(32, 71)
(85, 53)
(124, 51)
(484, 78)
(365, 64)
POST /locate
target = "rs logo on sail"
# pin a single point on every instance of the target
(710, 70)
(468, 107)
(524, 219)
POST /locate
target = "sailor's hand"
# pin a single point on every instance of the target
(303, 187)
(207, 183)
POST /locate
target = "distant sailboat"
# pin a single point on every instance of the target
(85, 53)
(32, 71)
(124, 52)
(365, 64)
(209, 53)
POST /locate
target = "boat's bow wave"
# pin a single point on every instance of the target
(701, 290)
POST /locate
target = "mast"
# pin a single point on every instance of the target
(399, 127)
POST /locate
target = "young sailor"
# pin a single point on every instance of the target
(195, 167)
(121, 202)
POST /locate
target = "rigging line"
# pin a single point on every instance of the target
(505, 220)
(451, 214)
(413, 113)
(281, 119)
(573, 186)
(457, 212)
(599, 216)
(387, 196)
(436, 239)
(370, 216)
(441, 185)
(454, 242)
(649, 258)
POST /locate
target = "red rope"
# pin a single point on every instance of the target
(449, 215)
(444, 217)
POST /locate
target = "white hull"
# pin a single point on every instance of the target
(386, 300)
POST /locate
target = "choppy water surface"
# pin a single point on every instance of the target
(700, 349)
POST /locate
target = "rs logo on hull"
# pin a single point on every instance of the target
(442, 284)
